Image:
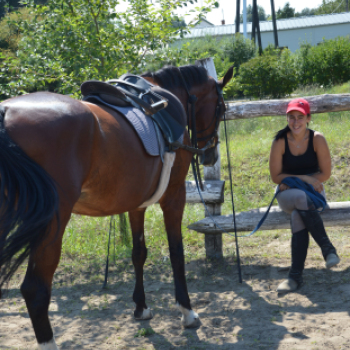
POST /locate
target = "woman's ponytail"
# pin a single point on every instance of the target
(281, 133)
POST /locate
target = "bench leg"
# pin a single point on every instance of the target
(213, 246)
(213, 242)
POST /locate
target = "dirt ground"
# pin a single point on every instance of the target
(250, 315)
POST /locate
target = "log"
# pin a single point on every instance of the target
(318, 104)
(338, 214)
(213, 192)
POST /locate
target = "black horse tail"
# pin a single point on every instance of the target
(28, 204)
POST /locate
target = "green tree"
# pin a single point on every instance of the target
(2, 8)
(331, 6)
(69, 41)
(8, 6)
(285, 12)
(179, 22)
(261, 14)
(306, 12)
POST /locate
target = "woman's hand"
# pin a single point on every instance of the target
(317, 185)
(283, 187)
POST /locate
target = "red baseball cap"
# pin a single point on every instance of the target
(299, 104)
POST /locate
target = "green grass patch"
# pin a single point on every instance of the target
(144, 332)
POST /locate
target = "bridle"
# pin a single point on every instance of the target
(192, 130)
(216, 118)
(191, 123)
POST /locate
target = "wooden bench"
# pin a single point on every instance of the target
(338, 214)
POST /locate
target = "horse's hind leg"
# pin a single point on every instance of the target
(37, 284)
(139, 255)
(172, 204)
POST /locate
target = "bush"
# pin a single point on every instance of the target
(326, 64)
(239, 49)
(273, 74)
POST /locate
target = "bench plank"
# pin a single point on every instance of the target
(338, 214)
(213, 192)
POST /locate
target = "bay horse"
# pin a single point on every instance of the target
(59, 156)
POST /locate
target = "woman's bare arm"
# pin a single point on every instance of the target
(275, 161)
(323, 158)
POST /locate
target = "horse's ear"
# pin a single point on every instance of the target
(227, 77)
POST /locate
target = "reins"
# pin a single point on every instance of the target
(199, 151)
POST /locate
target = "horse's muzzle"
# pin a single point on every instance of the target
(209, 157)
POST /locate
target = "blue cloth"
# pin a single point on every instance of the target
(293, 182)
(317, 198)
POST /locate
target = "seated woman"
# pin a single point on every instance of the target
(303, 153)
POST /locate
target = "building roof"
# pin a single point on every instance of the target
(203, 23)
(266, 26)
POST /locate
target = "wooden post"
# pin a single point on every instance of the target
(257, 25)
(213, 242)
(238, 3)
(253, 24)
(274, 23)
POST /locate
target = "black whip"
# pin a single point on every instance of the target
(111, 228)
(233, 206)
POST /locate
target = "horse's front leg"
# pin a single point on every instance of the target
(139, 255)
(172, 204)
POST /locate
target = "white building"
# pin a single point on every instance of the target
(291, 31)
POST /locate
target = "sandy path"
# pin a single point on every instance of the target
(234, 316)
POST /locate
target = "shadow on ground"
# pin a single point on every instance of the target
(234, 316)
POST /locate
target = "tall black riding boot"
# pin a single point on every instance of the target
(300, 244)
(314, 225)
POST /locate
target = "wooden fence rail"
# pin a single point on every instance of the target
(318, 104)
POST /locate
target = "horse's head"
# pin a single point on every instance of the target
(210, 107)
(202, 98)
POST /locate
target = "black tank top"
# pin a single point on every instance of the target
(304, 164)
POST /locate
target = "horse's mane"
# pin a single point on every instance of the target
(169, 77)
